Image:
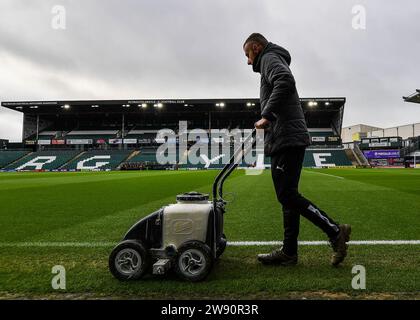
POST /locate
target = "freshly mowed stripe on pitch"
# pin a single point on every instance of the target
(236, 275)
(21, 180)
(29, 211)
(103, 208)
(375, 212)
(406, 180)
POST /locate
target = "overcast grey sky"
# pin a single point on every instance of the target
(193, 49)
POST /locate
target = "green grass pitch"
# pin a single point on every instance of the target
(99, 207)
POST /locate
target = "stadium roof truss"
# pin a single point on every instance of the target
(415, 97)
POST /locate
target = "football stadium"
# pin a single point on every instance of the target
(86, 171)
(186, 159)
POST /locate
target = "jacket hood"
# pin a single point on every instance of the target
(274, 48)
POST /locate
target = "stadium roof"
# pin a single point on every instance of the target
(39, 107)
(415, 97)
(319, 112)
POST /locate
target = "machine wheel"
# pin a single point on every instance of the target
(129, 260)
(222, 246)
(193, 261)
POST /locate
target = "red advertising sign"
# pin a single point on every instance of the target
(55, 141)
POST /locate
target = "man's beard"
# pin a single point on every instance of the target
(254, 63)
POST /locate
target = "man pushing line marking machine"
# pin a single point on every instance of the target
(188, 235)
(286, 138)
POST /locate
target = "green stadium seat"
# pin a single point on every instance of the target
(7, 157)
(326, 158)
(144, 157)
(43, 160)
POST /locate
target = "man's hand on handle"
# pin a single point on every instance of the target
(262, 124)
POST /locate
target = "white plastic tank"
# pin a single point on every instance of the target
(187, 219)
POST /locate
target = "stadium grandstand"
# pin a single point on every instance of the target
(123, 134)
(383, 152)
(411, 149)
(385, 147)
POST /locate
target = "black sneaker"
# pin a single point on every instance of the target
(339, 245)
(277, 257)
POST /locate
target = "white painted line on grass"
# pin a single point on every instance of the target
(325, 174)
(321, 243)
(58, 244)
(230, 243)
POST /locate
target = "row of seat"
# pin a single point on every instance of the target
(7, 157)
(111, 159)
(66, 160)
(41, 160)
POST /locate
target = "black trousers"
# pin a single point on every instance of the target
(286, 167)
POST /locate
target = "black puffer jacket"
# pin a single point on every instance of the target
(280, 101)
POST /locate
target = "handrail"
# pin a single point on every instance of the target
(228, 168)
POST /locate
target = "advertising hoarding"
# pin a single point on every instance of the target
(381, 154)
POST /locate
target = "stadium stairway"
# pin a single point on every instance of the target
(77, 156)
(143, 157)
(360, 156)
(8, 158)
(352, 157)
(130, 156)
(98, 160)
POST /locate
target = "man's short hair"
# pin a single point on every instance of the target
(256, 37)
